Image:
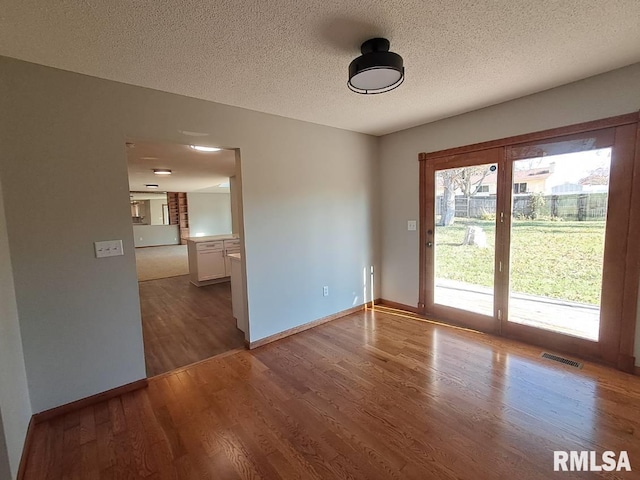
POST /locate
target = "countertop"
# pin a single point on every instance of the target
(229, 236)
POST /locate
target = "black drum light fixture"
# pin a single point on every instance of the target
(377, 70)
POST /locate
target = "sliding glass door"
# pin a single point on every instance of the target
(559, 215)
(529, 240)
(461, 237)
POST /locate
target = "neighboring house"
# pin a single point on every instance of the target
(542, 180)
(536, 180)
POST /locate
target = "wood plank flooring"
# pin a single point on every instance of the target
(369, 396)
(183, 324)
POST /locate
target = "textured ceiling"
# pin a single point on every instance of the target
(192, 171)
(290, 57)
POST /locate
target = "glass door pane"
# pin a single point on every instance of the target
(559, 208)
(464, 240)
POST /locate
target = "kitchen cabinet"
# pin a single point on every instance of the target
(211, 261)
(208, 261)
(238, 294)
(231, 247)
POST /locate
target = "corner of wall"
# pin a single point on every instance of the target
(15, 402)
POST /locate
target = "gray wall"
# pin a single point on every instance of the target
(5, 468)
(153, 235)
(308, 201)
(15, 406)
(209, 213)
(606, 95)
(155, 211)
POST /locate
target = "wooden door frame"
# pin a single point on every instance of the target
(623, 358)
(468, 318)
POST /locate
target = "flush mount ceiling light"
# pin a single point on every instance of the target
(151, 185)
(377, 70)
(162, 171)
(200, 148)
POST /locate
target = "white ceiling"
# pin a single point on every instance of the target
(290, 57)
(192, 171)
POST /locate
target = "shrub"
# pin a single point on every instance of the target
(536, 203)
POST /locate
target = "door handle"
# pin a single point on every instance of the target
(429, 244)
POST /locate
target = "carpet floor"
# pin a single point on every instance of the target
(161, 262)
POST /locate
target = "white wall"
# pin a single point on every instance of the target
(154, 235)
(606, 95)
(308, 202)
(15, 406)
(209, 214)
(155, 211)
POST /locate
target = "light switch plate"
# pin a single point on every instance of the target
(108, 248)
(411, 225)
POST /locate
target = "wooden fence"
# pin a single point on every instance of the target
(570, 207)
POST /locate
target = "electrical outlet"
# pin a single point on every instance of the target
(325, 291)
(411, 225)
(108, 248)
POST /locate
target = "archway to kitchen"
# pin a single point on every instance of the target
(186, 217)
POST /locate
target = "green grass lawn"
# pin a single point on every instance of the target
(552, 259)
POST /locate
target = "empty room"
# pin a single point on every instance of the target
(427, 267)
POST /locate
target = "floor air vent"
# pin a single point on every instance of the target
(566, 361)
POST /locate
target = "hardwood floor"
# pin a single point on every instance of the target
(368, 396)
(183, 324)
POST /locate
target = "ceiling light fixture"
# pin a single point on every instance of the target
(162, 171)
(151, 185)
(377, 70)
(200, 148)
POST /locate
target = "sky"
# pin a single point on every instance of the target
(569, 167)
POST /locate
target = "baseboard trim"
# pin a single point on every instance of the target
(306, 326)
(399, 306)
(28, 439)
(85, 402)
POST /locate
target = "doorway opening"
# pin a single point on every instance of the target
(186, 221)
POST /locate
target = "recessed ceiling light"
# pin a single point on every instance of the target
(200, 148)
(162, 171)
(151, 185)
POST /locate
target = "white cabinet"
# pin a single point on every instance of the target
(211, 264)
(238, 295)
(206, 261)
(230, 247)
